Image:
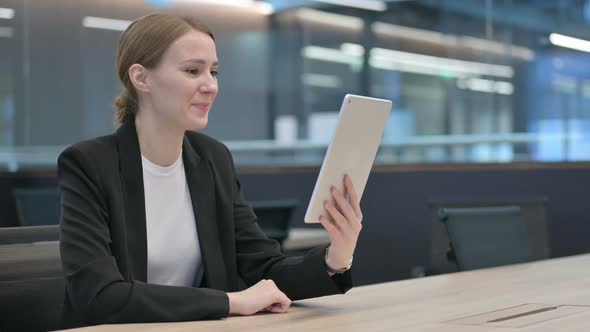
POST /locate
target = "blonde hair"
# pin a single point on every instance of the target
(144, 42)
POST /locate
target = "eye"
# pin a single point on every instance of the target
(192, 71)
(214, 73)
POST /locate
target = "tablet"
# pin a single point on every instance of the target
(352, 151)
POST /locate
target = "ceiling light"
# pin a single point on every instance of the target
(105, 23)
(235, 3)
(569, 42)
(262, 7)
(375, 5)
(404, 61)
(337, 20)
(6, 13)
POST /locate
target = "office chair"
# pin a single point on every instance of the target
(274, 217)
(32, 287)
(37, 206)
(29, 252)
(483, 237)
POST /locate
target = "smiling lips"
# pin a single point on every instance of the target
(202, 106)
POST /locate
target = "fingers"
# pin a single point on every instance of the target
(344, 206)
(353, 196)
(330, 227)
(338, 219)
(346, 223)
(280, 301)
(276, 309)
(264, 296)
(283, 303)
(345, 210)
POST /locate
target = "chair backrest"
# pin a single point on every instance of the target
(274, 217)
(37, 206)
(28, 234)
(487, 236)
(533, 213)
(32, 287)
(24, 261)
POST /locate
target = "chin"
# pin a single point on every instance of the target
(197, 124)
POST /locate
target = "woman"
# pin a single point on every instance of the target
(154, 225)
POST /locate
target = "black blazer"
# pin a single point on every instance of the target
(103, 237)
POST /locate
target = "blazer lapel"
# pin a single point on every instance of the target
(202, 189)
(134, 199)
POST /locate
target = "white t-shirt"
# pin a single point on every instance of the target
(174, 253)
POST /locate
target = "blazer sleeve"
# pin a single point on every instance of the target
(259, 258)
(95, 286)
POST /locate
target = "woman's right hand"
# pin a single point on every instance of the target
(264, 296)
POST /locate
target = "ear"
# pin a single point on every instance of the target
(138, 75)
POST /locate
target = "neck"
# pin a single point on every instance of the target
(159, 142)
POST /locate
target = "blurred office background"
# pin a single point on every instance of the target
(471, 81)
(491, 108)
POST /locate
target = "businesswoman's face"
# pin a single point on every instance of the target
(183, 86)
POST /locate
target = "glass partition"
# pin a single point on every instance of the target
(471, 81)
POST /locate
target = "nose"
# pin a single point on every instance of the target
(209, 86)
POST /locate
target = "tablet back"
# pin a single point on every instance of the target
(352, 150)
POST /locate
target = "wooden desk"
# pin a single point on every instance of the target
(427, 304)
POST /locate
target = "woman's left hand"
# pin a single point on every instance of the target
(345, 226)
